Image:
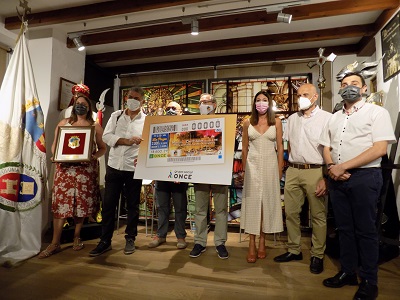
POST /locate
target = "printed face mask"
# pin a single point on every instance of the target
(206, 109)
(262, 107)
(304, 103)
(132, 104)
(80, 109)
(171, 111)
(350, 93)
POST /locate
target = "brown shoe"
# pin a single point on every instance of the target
(181, 244)
(157, 241)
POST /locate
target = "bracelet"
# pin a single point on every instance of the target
(328, 165)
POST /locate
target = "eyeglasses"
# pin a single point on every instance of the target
(171, 107)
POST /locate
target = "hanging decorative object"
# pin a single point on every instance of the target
(321, 60)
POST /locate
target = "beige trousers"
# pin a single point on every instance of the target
(301, 183)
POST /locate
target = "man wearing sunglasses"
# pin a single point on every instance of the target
(164, 191)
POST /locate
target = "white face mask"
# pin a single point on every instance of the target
(304, 103)
(132, 104)
(206, 109)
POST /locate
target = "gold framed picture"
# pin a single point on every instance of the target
(74, 144)
(65, 95)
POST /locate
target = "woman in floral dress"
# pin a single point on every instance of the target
(76, 190)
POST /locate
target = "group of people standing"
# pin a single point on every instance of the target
(337, 154)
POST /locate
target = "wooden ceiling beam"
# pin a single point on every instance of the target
(233, 59)
(303, 12)
(367, 43)
(93, 11)
(335, 8)
(113, 8)
(238, 43)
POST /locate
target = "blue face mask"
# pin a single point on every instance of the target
(350, 93)
(81, 109)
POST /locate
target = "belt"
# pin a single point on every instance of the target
(304, 166)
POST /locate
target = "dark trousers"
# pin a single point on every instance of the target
(164, 191)
(354, 204)
(115, 182)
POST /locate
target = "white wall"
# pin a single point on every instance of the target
(392, 104)
(51, 59)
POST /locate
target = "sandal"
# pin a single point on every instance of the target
(261, 254)
(50, 250)
(78, 245)
(251, 258)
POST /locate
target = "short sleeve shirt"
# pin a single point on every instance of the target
(349, 135)
(303, 135)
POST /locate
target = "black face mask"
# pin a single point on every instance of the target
(81, 109)
(350, 93)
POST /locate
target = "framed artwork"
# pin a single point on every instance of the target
(236, 95)
(74, 144)
(65, 95)
(157, 96)
(390, 36)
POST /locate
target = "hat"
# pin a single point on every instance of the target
(79, 88)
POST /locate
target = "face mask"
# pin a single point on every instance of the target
(304, 103)
(350, 93)
(206, 109)
(171, 111)
(132, 104)
(80, 109)
(262, 107)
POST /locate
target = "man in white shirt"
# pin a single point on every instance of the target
(123, 133)
(354, 140)
(304, 177)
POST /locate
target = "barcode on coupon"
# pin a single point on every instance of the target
(183, 158)
(165, 128)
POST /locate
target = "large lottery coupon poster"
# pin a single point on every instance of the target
(197, 149)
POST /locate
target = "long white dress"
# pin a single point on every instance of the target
(261, 189)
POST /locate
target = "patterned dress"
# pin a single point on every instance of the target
(261, 189)
(76, 191)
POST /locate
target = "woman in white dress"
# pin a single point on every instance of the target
(262, 158)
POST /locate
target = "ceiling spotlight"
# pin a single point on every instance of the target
(284, 18)
(195, 27)
(78, 43)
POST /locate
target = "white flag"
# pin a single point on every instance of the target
(23, 178)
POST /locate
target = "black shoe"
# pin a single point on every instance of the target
(316, 265)
(197, 250)
(341, 279)
(366, 291)
(129, 246)
(222, 252)
(100, 249)
(288, 257)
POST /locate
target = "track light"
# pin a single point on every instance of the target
(284, 18)
(195, 27)
(78, 43)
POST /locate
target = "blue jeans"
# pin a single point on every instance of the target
(164, 191)
(115, 182)
(354, 204)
